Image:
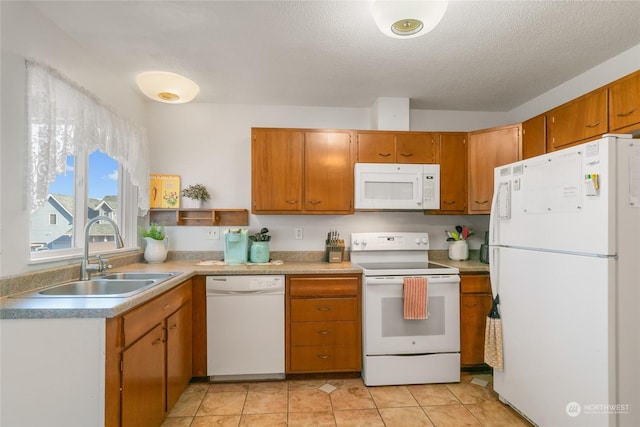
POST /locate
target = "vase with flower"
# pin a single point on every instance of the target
(458, 245)
(195, 194)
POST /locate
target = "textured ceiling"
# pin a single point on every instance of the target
(484, 55)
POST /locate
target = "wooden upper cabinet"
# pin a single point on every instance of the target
(577, 121)
(534, 136)
(624, 103)
(452, 155)
(328, 172)
(301, 171)
(487, 150)
(395, 147)
(277, 157)
(415, 147)
(376, 147)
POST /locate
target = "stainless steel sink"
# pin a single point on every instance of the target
(98, 288)
(138, 276)
(114, 285)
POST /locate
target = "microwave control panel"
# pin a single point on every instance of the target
(431, 187)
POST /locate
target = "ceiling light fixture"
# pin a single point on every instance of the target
(402, 19)
(167, 87)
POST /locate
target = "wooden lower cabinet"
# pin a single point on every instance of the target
(323, 323)
(179, 353)
(143, 385)
(475, 304)
(149, 359)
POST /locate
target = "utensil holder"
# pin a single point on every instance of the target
(335, 251)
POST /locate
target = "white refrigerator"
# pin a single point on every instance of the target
(565, 260)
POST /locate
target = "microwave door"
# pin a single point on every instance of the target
(377, 190)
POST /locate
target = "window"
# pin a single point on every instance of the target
(66, 198)
(84, 161)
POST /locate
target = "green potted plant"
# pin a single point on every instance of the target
(198, 193)
(157, 241)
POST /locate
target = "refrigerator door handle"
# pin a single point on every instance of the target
(494, 264)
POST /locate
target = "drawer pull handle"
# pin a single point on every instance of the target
(626, 114)
(593, 125)
(323, 308)
(481, 202)
(325, 332)
(291, 202)
(174, 326)
(447, 202)
(166, 307)
(157, 341)
(315, 202)
(323, 356)
(406, 154)
(384, 154)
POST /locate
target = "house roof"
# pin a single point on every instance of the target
(483, 56)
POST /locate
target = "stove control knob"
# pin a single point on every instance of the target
(424, 240)
(355, 242)
(363, 243)
(417, 240)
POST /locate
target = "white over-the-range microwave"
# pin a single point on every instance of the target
(395, 186)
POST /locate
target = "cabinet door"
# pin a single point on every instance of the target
(376, 147)
(475, 304)
(452, 153)
(624, 102)
(328, 172)
(534, 137)
(276, 170)
(581, 119)
(487, 150)
(415, 148)
(179, 344)
(143, 384)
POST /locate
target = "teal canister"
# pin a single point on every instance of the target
(259, 252)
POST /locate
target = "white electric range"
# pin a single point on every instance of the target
(395, 350)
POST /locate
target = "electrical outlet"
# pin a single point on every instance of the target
(212, 233)
(298, 233)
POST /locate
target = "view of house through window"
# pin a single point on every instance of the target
(54, 225)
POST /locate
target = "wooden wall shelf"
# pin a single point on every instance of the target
(201, 217)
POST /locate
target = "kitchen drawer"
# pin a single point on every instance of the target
(325, 358)
(142, 319)
(323, 333)
(322, 309)
(323, 286)
(475, 284)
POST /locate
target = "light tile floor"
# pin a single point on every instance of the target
(301, 403)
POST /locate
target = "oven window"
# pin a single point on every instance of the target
(394, 324)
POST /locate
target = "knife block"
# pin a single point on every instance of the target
(335, 251)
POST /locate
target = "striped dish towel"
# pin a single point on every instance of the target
(414, 291)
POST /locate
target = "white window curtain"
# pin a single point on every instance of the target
(64, 117)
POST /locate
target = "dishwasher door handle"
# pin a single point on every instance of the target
(256, 292)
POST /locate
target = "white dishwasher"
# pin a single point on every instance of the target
(245, 327)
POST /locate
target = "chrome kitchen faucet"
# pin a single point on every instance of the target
(85, 267)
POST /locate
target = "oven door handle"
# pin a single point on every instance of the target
(395, 280)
